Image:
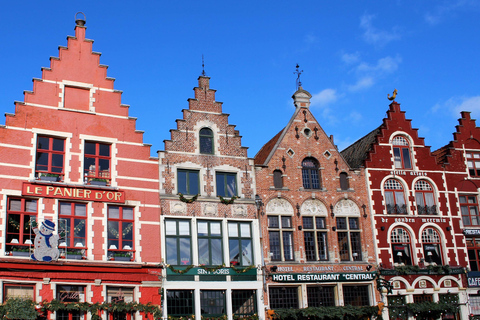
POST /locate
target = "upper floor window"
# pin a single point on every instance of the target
(49, 159)
(72, 220)
(401, 248)
(315, 238)
(206, 141)
(424, 198)
(473, 161)
(240, 243)
(97, 163)
(280, 234)
(210, 248)
(469, 208)
(178, 242)
(432, 247)
(120, 233)
(401, 153)
(188, 182)
(226, 184)
(277, 179)
(349, 243)
(21, 213)
(473, 246)
(310, 173)
(394, 197)
(344, 185)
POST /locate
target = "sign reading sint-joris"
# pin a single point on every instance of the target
(77, 193)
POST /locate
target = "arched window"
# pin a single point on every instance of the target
(310, 174)
(424, 198)
(432, 249)
(401, 153)
(394, 197)
(401, 248)
(277, 179)
(206, 141)
(344, 185)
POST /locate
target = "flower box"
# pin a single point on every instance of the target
(49, 178)
(98, 183)
(21, 253)
(122, 258)
(74, 256)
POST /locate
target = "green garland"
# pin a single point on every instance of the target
(227, 202)
(183, 199)
(95, 308)
(169, 266)
(224, 317)
(328, 313)
(251, 317)
(431, 310)
(190, 317)
(240, 270)
(18, 308)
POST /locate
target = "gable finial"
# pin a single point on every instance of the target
(203, 67)
(298, 73)
(393, 95)
(79, 21)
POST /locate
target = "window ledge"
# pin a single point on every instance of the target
(348, 190)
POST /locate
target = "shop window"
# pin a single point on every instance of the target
(474, 302)
(21, 213)
(244, 303)
(401, 246)
(212, 303)
(178, 242)
(396, 308)
(469, 208)
(315, 238)
(23, 291)
(419, 298)
(49, 158)
(283, 297)
(449, 299)
(210, 249)
(188, 182)
(70, 293)
(356, 295)
(432, 247)
(348, 235)
(394, 197)
(473, 247)
(120, 233)
(473, 161)
(206, 141)
(72, 220)
(424, 198)
(280, 233)
(344, 185)
(119, 295)
(240, 243)
(96, 164)
(401, 153)
(320, 296)
(311, 174)
(277, 179)
(180, 303)
(226, 184)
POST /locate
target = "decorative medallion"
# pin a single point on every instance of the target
(313, 207)
(178, 207)
(280, 206)
(239, 210)
(346, 206)
(209, 209)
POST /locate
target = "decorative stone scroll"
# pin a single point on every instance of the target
(239, 210)
(346, 207)
(313, 207)
(178, 207)
(209, 209)
(279, 206)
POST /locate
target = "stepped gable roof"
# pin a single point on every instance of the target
(441, 154)
(357, 153)
(267, 148)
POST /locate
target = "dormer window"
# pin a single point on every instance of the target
(206, 141)
(401, 153)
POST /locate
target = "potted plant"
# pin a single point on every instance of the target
(74, 254)
(21, 251)
(122, 256)
(98, 182)
(49, 177)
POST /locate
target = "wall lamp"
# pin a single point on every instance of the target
(364, 207)
(369, 267)
(331, 211)
(259, 204)
(273, 269)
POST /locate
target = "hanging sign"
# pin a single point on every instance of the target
(73, 193)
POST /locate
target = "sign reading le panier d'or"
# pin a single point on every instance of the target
(77, 193)
(323, 277)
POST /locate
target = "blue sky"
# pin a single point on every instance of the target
(352, 53)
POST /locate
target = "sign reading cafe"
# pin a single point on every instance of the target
(323, 277)
(77, 193)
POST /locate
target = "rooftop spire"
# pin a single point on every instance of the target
(80, 22)
(203, 68)
(298, 73)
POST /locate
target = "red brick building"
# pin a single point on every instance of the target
(209, 218)
(71, 154)
(460, 160)
(420, 245)
(317, 239)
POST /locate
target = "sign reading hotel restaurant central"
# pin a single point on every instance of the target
(77, 193)
(323, 277)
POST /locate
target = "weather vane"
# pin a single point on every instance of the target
(393, 95)
(203, 67)
(298, 73)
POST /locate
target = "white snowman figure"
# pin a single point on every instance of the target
(46, 243)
